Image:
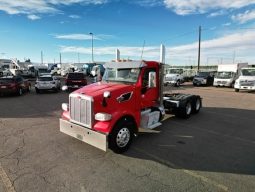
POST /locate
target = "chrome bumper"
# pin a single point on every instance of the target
(84, 134)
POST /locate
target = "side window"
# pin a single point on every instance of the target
(145, 80)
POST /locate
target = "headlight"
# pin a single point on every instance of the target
(65, 106)
(103, 117)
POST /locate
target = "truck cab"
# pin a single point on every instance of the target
(227, 74)
(246, 80)
(129, 97)
(174, 76)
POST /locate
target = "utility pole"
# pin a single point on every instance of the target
(60, 58)
(92, 46)
(41, 57)
(199, 45)
(234, 56)
(78, 55)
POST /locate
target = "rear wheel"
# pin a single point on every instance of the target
(185, 111)
(19, 92)
(121, 137)
(37, 90)
(29, 88)
(197, 105)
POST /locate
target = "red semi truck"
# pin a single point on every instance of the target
(109, 113)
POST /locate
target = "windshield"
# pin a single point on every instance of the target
(128, 75)
(224, 75)
(45, 79)
(43, 70)
(248, 72)
(203, 74)
(175, 71)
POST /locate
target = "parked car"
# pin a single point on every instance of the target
(47, 83)
(14, 85)
(203, 78)
(76, 80)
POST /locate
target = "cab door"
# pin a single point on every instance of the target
(149, 94)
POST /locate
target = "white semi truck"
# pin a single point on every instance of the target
(227, 74)
(246, 80)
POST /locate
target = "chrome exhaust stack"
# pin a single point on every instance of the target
(161, 73)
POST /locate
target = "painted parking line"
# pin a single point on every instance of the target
(6, 181)
(188, 172)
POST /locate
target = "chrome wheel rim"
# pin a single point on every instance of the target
(188, 108)
(20, 91)
(123, 137)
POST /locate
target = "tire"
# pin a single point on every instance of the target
(20, 92)
(197, 105)
(37, 90)
(121, 136)
(185, 111)
(177, 84)
(29, 89)
(236, 90)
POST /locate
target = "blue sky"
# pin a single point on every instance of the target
(63, 26)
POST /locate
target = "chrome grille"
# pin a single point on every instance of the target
(81, 109)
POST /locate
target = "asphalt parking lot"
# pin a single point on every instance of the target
(211, 151)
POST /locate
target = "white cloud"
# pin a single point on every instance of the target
(148, 3)
(226, 24)
(83, 36)
(33, 17)
(185, 7)
(218, 13)
(74, 37)
(244, 17)
(30, 7)
(74, 16)
(218, 48)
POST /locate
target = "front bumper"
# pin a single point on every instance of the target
(222, 83)
(246, 88)
(84, 134)
(8, 90)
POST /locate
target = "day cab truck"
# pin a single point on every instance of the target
(174, 76)
(246, 80)
(227, 74)
(108, 114)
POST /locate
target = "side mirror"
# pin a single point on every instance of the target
(152, 79)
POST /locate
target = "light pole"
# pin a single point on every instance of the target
(92, 55)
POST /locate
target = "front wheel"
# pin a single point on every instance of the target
(121, 137)
(177, 84)
(236, 90)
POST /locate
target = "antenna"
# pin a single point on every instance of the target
(142, 50)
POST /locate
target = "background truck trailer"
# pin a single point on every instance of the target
(227, 74)
(130, 96)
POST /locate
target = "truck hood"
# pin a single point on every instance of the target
(97, 89)
(248, 78)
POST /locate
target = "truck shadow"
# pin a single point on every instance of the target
(216, 140)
